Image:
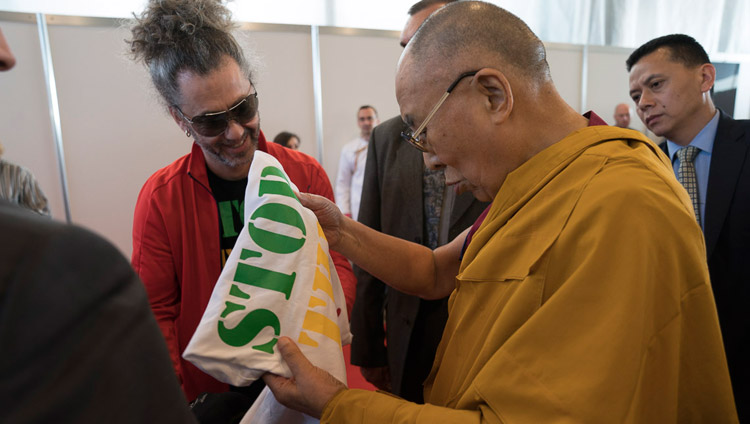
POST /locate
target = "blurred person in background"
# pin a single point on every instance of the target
(287, 139)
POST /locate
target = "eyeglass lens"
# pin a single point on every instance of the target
(211, 125)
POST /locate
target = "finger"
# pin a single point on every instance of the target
(294, 357)
(284, 389)
(303, 197)
(275, 382)
(308, 200)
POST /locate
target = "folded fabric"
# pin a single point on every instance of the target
(279, 280)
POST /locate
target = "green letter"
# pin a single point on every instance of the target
(250, 326)
(274, 242)
(275, 187)
(265, 279)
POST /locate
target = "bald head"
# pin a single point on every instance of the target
(622, 115)
(473, 86)
(482, 35)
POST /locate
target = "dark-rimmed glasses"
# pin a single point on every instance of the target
(415, 137)
(214, 123)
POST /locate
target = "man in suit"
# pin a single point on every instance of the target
(403, 198)
(670, 82)
(79, 342)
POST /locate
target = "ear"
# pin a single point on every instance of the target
(495, 86)
(178, 118)
(708, 76)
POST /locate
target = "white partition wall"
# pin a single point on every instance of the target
(565, 64)
(607, 84)
(358, 68)
(283, 58)
(114, 130)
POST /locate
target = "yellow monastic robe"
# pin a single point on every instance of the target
(584, 297)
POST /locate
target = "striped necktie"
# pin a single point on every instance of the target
(687, 177)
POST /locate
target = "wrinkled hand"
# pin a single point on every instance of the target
(310, 387)
(379, 377)
(329, 216)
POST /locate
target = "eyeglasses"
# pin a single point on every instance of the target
(415, 138)
(214, 123)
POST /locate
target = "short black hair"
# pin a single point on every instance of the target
(424, 4)
(284, 137)
(682, 48)
(368, 107)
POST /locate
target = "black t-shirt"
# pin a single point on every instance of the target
(230, 201)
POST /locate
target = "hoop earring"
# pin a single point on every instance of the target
(188, 133)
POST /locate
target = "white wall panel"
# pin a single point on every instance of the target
(565, 67)
(356, 70)
(284, 81)
(608, 84)
(115, 132)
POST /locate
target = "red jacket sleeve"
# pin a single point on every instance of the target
(152, 260)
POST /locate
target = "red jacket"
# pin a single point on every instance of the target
(176, 248)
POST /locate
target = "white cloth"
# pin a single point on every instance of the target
(350, 177)
(279, 280)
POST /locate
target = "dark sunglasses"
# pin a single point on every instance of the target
(214, 123)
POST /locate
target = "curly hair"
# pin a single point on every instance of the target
(174, 36)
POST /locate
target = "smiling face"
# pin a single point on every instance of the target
(672, 99)
(230, 153)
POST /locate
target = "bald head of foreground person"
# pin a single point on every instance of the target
(491, 122)
(557, 294)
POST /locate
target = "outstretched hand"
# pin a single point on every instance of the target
(310, 387)
(329, 216)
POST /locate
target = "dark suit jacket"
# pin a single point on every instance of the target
(78, 341)
(392, 203)
(727, 234)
